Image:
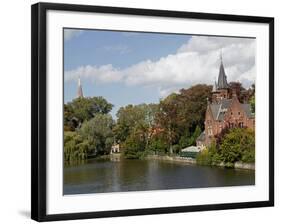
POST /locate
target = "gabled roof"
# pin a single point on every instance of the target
(219, 109)
(201, 137)
(215, 110)
(247, 108)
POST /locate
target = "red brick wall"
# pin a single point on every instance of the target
(234, 117)
(222, 93)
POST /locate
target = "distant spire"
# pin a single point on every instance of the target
(79, 90)
(79, 81)
(215, 87)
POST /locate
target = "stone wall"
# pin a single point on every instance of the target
(246, 166)
(178, 159)
(172, 159)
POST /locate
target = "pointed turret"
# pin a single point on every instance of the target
(222, 80)
(215, 87)
(79, 90)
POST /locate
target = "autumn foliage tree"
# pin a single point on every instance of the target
(180, 114)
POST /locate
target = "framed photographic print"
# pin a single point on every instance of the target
(139, 111)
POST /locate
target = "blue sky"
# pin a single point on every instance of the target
(133, 67)
(121, 49)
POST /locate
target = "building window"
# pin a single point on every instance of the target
(241, 124)
(238, 112)
(231, 113)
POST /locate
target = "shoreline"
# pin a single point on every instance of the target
(178, 159)
(191, 161)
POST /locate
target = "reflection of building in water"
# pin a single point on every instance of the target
(115, 148)
(224, 111)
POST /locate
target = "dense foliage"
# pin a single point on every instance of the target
(88, 128)
(83, 109)
(134, 128)
(98, 132)
(237, 144)
(75, 148)
(164, 128)
(181, 116)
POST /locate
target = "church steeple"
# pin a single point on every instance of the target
(222, 80)
(215, 87)
(79, 90)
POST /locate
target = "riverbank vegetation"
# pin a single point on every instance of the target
(88, 128)
(162, 128)
(236, 145)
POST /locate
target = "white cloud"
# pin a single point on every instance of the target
(195, 62)
(71, 33)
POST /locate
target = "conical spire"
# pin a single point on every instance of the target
(215, 87)
(79, 90)
(222, 80)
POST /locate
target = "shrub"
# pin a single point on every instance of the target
(238, 145)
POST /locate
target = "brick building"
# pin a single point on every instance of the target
(224, 111)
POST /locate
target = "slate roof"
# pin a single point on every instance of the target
(219, 109)
(201, 137)
(215, 110)
(222, 81)
(247, 108)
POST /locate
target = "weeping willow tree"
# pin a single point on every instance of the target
(75, 148)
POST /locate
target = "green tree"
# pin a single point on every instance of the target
(84, 109)
(70, 122)
(185, 139)
(134, 117)
(167, 119)
(195, 135)
(98, 132)
(74, 147)
(180, 114)
(238, 145)
(134, 145)
(158, 145)
(209, 156)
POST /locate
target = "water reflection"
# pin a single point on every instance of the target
(99, 176)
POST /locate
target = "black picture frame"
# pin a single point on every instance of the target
(39, 107)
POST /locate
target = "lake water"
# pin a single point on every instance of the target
(100, 176)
